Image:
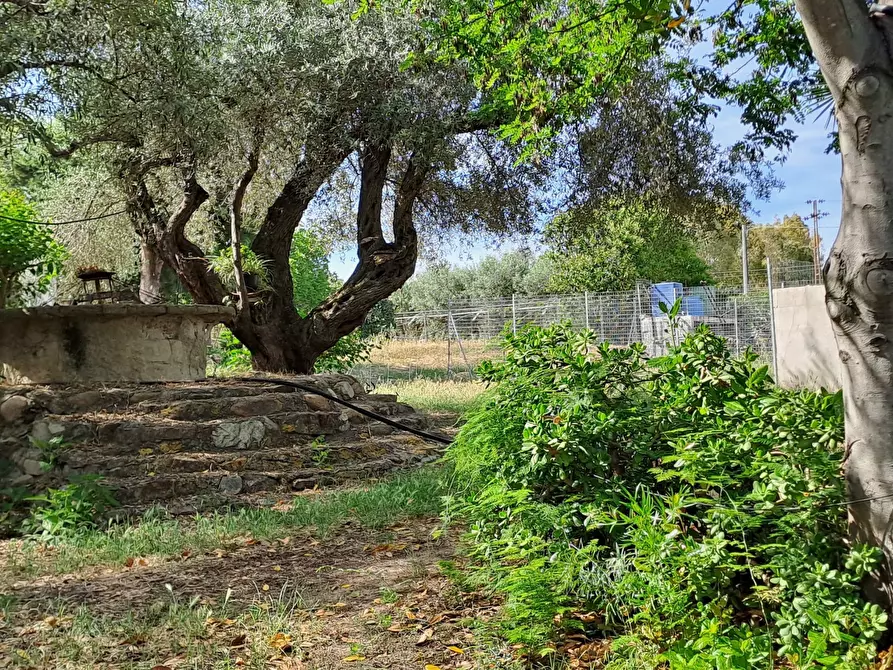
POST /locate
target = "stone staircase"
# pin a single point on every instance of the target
(192, 446)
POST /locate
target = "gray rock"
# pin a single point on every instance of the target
(256, 406)
(21, 480)
(44, 431)
(86, 400)
(241, 435)
(345, 390)
(231, 484)
(13, 408)
(379, 429)
(317, 403)
(32, 467)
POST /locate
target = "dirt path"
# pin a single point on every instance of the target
(361, 598)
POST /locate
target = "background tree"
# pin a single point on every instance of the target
(266, 113)
(613, 247)
(515, 272)
(29, 257)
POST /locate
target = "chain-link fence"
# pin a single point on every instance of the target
(455, 338)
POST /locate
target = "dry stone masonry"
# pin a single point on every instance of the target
(197, 445)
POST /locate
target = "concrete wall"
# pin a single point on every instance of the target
(806, 350)
(99, 343)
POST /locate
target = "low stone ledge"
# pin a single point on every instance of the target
(107, 343)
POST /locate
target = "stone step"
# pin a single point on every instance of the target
(166, 487)
(130, 435)
(266, 404)
(315, 454)
(123, 398)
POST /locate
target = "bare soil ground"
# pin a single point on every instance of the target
(361, 598)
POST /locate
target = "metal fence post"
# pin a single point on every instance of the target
(514, 320)
(449, 338)
(586, 308)
(772, 321)
(737, 333)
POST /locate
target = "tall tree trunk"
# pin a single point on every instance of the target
(853, 53)
(287, 342)
(151, 266)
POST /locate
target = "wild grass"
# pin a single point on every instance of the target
(436, 396)
(413, 494)
(184, 632)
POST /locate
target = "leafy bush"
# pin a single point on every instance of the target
(687, 502)
(223, 264)
(69, 510)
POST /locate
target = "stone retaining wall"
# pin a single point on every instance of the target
(107, 343)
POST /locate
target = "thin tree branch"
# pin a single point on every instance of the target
(236, 229)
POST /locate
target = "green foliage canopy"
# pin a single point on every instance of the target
(612, 247)
(686, 506)
(29, 256)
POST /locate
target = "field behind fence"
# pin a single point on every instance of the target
(452, 340)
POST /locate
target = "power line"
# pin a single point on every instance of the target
(64, 223)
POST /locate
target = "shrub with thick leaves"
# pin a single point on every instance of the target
(685, 501)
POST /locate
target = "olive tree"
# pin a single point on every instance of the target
(268, 116)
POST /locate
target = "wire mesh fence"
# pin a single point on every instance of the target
(452, 340)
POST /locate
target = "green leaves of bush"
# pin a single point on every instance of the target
(686, 501)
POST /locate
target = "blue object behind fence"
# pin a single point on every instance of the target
(665, 292)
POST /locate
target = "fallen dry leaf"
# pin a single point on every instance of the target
(160, 667)
(133, 641)
(354, 657)
(281, 641)
(238, 640)
(425, 636)
(456, 650)
(430, 666)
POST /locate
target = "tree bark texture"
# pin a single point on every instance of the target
(151, 266)
(853, 52)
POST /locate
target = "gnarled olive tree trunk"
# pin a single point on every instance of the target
(279, 339)
(853, 51)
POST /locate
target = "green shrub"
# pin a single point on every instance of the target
(685, 502)
(69, 510)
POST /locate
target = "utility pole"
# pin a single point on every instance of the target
(816, 244)
(744, 276)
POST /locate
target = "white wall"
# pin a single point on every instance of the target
(805, 347)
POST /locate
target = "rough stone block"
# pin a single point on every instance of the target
(317, 403)
(231, 484)
(240, 435)
(345, 390)
(14, 408)
(256, 406)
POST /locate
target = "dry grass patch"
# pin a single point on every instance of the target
(432, 354)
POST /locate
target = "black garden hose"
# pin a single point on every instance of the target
(361, 410)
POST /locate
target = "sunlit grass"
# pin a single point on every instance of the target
(413, 494)
(436, 396)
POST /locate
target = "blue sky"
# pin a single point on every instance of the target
(807, 173)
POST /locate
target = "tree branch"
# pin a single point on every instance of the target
(273, 240)
(236, 229)
(373, 174)
(410, 187)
